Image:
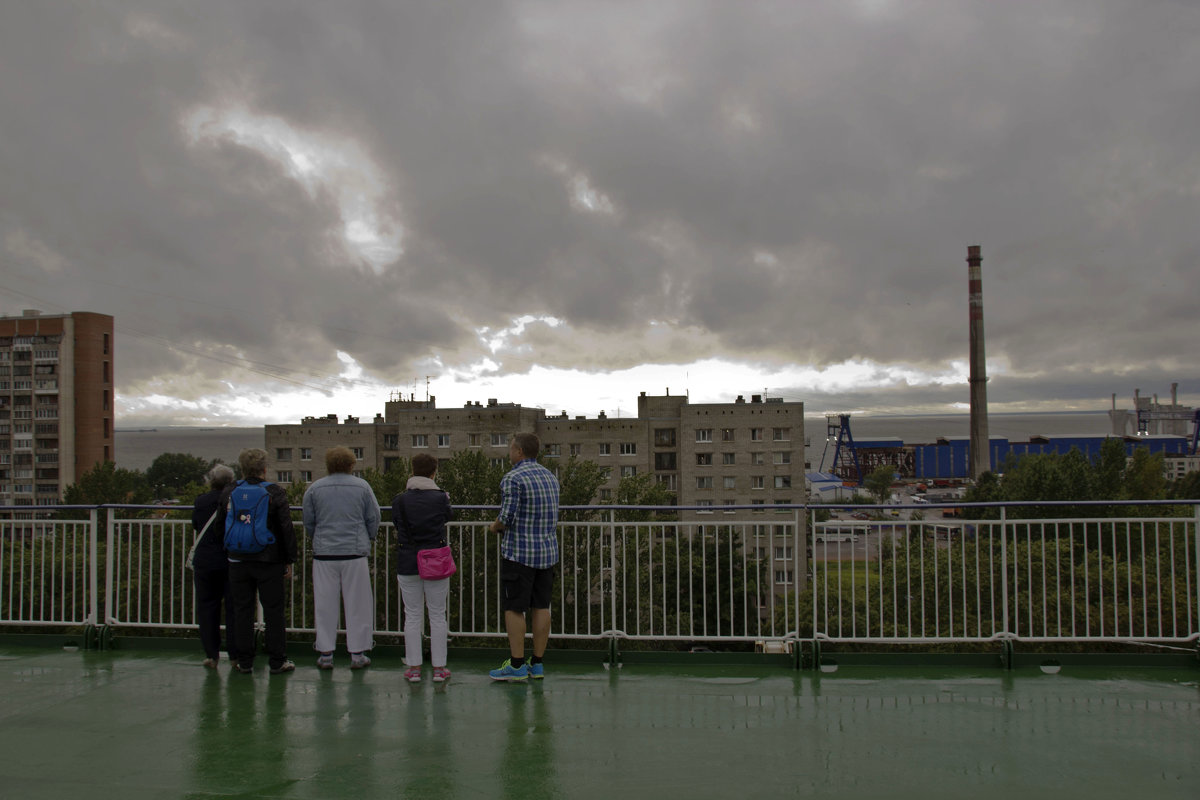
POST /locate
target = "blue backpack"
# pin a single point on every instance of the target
(246, 515)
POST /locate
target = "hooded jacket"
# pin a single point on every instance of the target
(420, 514)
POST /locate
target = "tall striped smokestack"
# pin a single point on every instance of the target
(980, 460)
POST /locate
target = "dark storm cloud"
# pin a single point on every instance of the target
(792, 181)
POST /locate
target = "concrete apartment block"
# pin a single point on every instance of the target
(56, 402)
(707, 454)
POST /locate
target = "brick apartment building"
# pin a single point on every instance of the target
(744, 453)
(56, 402)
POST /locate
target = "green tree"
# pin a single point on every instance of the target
(642, 490)
(170, 472)
(1143, 478)
(106, 483)
(579, 480)
(1109, 467)
(471, 479)
(879, 482)
(386, 485)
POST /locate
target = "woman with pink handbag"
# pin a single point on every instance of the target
(424, 565)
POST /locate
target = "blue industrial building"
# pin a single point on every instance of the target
(950, 457)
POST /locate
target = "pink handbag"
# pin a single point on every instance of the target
(436, 563)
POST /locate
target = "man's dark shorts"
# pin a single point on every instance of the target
(524, 587)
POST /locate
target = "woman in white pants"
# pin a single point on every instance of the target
(420, 514)
(342, 517)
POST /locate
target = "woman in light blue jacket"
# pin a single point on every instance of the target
(342, 518)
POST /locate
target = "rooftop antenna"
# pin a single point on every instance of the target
(426, 388)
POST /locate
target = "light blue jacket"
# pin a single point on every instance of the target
(341, 515)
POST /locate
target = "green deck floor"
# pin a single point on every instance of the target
(153, 724)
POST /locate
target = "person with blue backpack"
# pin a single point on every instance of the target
(260, 543)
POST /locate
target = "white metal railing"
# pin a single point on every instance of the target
(660, 580)
(1075, 579)
(749, 577)
(48, 572)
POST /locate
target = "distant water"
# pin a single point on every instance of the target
(137, 449)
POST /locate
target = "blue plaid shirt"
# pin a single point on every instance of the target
(529, 513)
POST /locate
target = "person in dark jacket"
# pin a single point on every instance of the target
(263, 574)
(210, 569)
(420, 515)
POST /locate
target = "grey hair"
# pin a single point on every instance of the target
(253, 462)
(220, 476)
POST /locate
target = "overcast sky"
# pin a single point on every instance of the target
(295, 208)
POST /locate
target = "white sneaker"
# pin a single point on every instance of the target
(359, 660)
(325, 661)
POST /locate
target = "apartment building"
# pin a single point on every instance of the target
(746, 453)
(708, 454)
(56, 402)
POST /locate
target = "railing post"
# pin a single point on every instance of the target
(1196, 567)
(800, 565)
(93, 610)
(612, 571)
(109, 558)
(1004, 567)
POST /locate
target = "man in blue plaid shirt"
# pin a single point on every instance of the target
(528, 523)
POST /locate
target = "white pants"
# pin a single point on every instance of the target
(351, 580)
(417, 593)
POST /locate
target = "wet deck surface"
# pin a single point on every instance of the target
(152, 724)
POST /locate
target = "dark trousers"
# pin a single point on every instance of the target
(266, 580)
(212, 589)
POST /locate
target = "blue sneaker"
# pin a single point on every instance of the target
(508, 672)
(537, 671)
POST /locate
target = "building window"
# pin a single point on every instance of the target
(628, 471)
(726, 434)
(420, 440)
(499, 440)
(306, 454)
(306, 476)
(727, 458)
(358, 473)
(107, 378)
(703, 459)
(783, 576)
(756, 434)
(358, 453)
(105, 400)
(575, 450)
(758, 459)
(283, 476)
(706, 504)
(783, 457)
(283, 454)
(664, 437)
(553, 450)
(106, 344)
(443, 440)
(665, 461)
(629, 448)
(729, 501)
(704, 482)
(606, 495)
(668, 482)
(391, 441)
(605, 449)
(704, 434)
(781, 434)
(474, 440)
(783, 481)
(729, 482)
(758, 482)
(498, 462)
